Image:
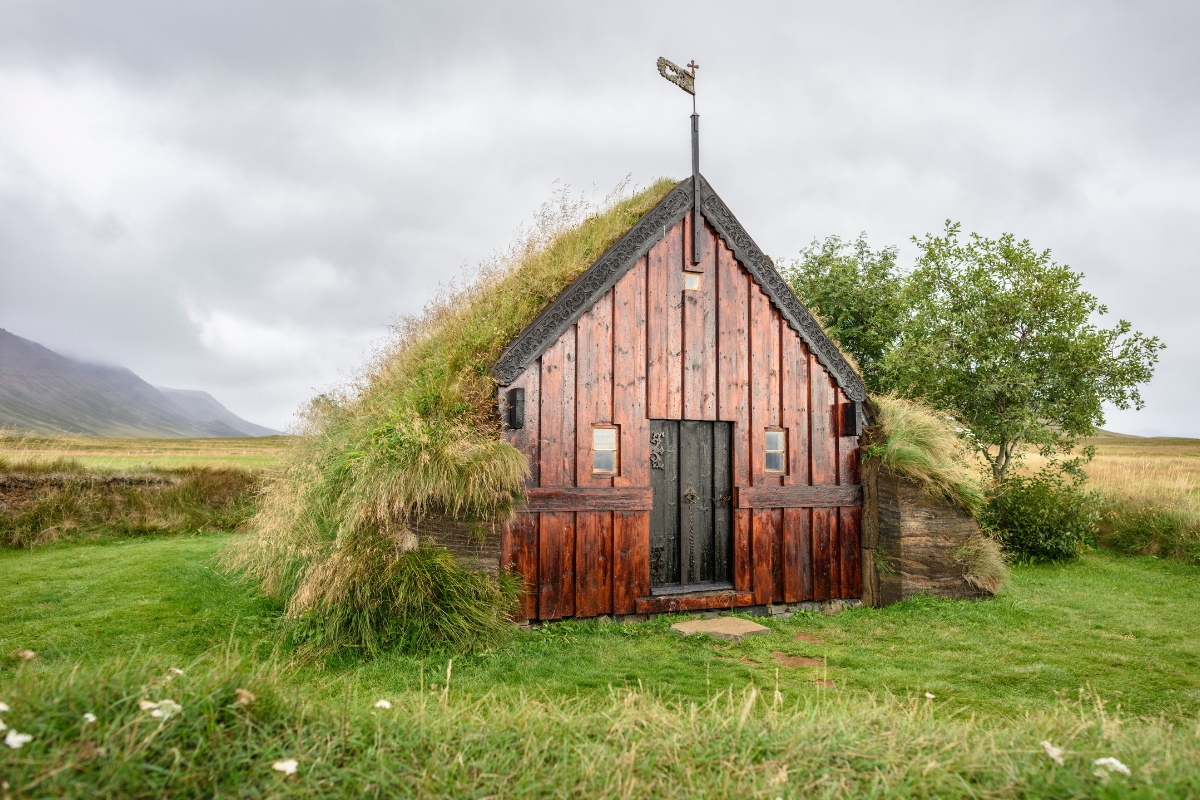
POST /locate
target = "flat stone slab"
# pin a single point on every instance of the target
(722, 627)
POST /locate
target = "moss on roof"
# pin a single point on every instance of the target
(417, 433)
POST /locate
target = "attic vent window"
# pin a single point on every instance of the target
(604, 450)
(775, 451)
(691, 281)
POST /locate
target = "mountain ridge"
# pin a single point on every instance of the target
(43, 392)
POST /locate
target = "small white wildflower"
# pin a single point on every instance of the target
(1112, 765)
(146, 705)
(287, 766)
(929, 695)
(244, 697)
(3, 707)
(384, 704)
(1055, 753)
(15, 740)
(3, 727)
(89, 718)
(177, 670)
(166, 709)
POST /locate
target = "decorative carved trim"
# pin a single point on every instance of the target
(775, 287)
(586, 290)
(658, 442)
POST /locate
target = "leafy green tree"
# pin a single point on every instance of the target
(1004, 337)
(856, 293)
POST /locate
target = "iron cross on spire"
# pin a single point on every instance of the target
(686, 80)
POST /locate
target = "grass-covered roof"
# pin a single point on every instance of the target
(417, 433)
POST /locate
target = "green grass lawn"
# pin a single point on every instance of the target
(1100, 657)
(1125, 627)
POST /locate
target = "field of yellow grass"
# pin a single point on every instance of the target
(144, 454)
(1133, 468)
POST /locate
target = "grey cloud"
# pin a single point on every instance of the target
(239, 197)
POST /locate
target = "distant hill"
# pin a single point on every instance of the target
(203, 409)
(45, 393)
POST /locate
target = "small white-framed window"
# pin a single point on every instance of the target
(692, 281)
(605, 446)
(775, 451)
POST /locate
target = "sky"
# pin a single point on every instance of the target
(240, 197)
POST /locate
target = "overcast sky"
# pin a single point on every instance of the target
(239, 197)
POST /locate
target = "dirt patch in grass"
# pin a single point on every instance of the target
(808, 637)
(794, 662)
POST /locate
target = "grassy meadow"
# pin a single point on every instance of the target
(1099, 657)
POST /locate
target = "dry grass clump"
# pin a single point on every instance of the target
(984, 565)
(416, 433)
(41, 503)
(913, 440)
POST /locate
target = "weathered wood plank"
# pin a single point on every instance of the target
(764, 555)
(722, 501)
(849, 525)
(733, 350)
(699, 335)
(523, 534)
(553, 531)
(798, 496)
(824, 435)
(657, 338)
(604, 599)
(589, 563)
(589, 498)
(631, 559)
(775, 370)
(824, 521)
(826, 548)
(743, 563)
(794, 540)
(593, 385)
(794, 410)
(777, 573)
(629, 377)
(676, 238)
(670, 604)
(761, 348)
(557, 418)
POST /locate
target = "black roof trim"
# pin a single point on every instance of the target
(775, 287)
(586, 290)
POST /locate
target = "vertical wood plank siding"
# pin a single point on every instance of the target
(651, 350)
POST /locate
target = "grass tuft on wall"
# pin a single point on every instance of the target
(913, 440)
(417, 433)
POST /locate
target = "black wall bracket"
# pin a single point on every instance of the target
(515, 402)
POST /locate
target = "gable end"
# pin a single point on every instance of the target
(775, 287)
(586, 290)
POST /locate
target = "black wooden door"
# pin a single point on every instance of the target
(691, 526)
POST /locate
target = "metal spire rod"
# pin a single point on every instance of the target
(686, 80)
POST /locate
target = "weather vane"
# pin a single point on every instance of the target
(686, 79)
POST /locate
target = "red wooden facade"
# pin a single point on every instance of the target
(651, 349)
